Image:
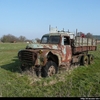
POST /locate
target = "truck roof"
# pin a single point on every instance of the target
(60, 34)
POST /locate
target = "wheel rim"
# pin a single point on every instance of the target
(51, 71)
(85, 60)
(91, 59)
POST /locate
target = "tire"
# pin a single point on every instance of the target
(50, 69)
(91, 59)
(85, 60)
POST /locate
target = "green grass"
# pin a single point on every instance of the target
(79, 82)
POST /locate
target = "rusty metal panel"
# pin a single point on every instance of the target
(66, 53)
(80, 49)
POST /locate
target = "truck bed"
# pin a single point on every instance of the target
(84, 44)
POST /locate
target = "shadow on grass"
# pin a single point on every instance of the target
(14, 66)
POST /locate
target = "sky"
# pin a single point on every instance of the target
(31, 18)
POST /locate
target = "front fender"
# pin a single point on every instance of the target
(58, 54)
(44, 56)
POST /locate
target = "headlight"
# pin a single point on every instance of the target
(40, 51)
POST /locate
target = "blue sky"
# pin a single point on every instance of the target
(31, 18)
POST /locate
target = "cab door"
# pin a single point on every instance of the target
(66, 49)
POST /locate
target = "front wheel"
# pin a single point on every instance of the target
(50, 69)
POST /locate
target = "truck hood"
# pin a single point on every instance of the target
(43, 46)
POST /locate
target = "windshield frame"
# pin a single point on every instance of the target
(44, 40)
(50, 37)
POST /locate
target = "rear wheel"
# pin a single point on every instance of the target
(91, 59)
(50, 69)
(85, 60)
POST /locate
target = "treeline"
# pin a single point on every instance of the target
(12, 38)
(87, 35)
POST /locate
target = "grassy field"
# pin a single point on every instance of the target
(78, 82)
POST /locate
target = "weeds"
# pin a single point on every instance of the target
(77, 82)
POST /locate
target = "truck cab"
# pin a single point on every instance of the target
(60, 43)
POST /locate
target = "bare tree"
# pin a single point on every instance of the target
(22, 38)
(89, 35)
(38, 40)
(8, 38)
(81, 34)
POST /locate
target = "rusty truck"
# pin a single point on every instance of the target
(56, 50)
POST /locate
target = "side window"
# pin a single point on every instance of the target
(66, 40)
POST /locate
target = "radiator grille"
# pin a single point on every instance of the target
(28, 56)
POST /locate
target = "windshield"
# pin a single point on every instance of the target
(50, 40)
